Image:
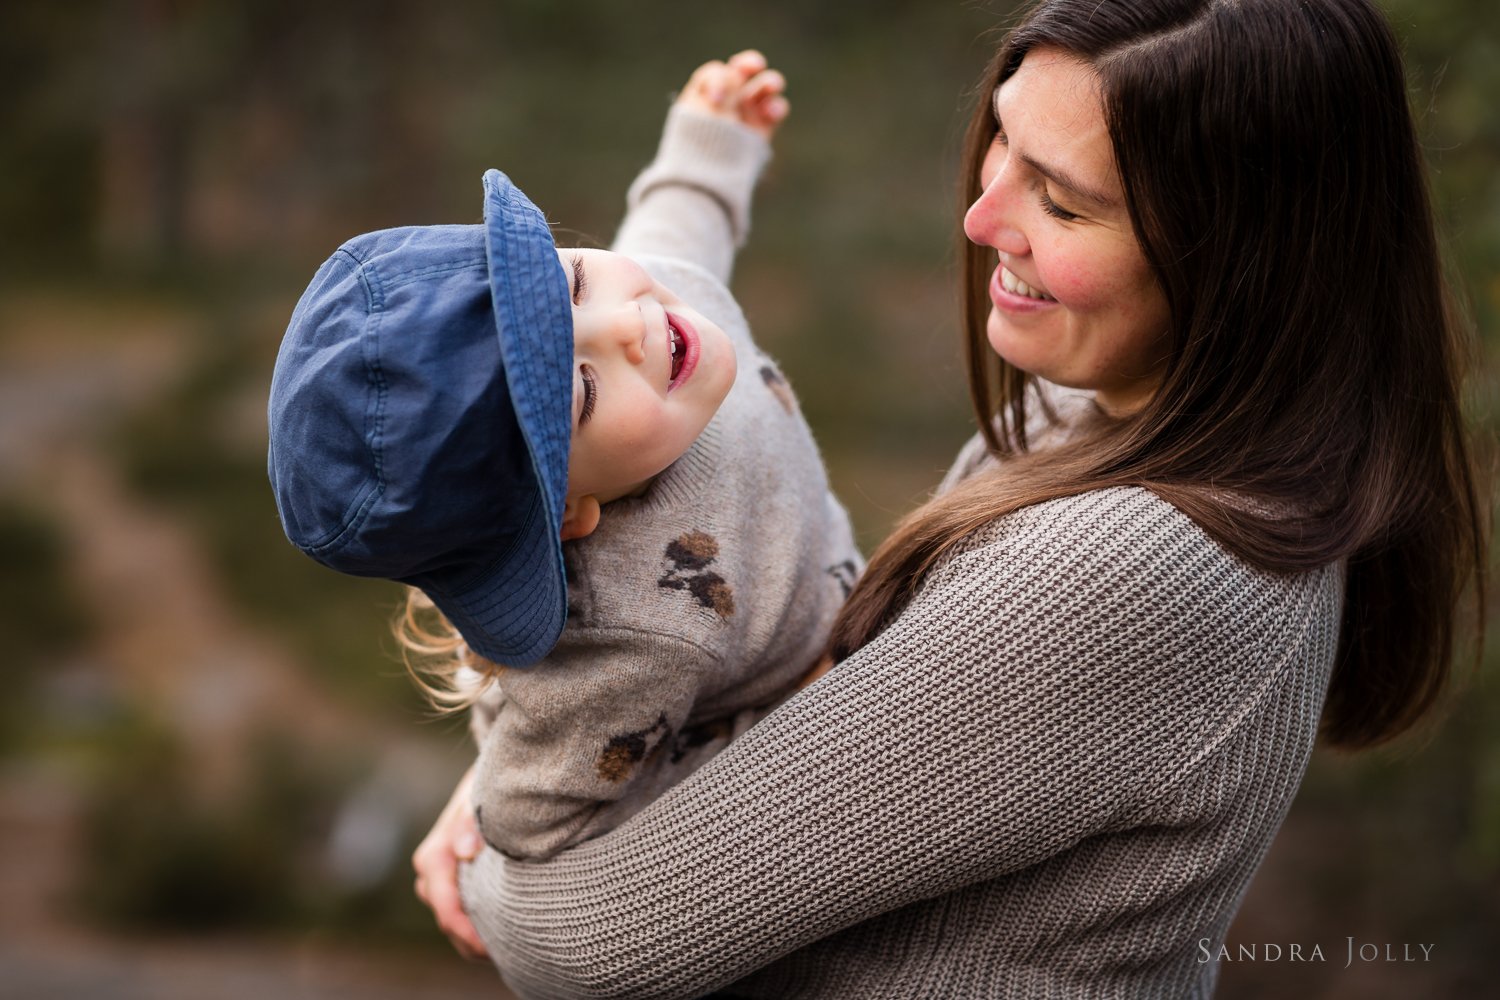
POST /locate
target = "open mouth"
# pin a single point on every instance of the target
(1016, 286)
(678, 348)
(682, 340)
(1011, 294)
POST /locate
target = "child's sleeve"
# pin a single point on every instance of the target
(693, 202)
(486, 703)
(578, 745)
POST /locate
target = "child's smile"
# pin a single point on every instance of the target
(685, 349)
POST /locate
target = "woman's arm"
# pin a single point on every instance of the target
(1043, 687)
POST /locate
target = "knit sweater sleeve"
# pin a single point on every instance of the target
(692, 202)
(578, 742)
(1048, 682)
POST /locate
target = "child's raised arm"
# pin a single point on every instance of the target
(693, 202)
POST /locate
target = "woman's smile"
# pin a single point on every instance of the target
(1010, 293)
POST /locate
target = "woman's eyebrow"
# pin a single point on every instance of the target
(1062, 179)
(1054, 174)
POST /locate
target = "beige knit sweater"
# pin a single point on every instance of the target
(1052, 776)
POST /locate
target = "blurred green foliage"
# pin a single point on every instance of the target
(1452, 48)
(182, 451)
(166, 854)
(41, 615)
(161, 858)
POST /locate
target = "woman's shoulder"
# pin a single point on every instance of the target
(1128, 540)
(1116, 586)
(1053, 412)
(1128, 523)
(1117, 514)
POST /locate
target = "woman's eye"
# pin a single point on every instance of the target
(580, 280)
(1055, 210)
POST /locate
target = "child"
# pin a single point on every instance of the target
(706, 557)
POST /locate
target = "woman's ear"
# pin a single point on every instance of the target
(580, 517)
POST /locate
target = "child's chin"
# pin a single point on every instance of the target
(728, 369)
(726, 361)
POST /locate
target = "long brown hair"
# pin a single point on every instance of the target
(1275, 185)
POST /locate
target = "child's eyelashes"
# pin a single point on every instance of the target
(590, 393)
(590, 379)
(580, 279)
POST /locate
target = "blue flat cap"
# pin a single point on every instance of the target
(420, 416)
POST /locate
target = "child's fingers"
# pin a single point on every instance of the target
(762, 105)
(747, 63)
(712, 70)
(743, 87)
(711, 83)
(766, 117)
(762, 87)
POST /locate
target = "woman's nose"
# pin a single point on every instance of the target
(989, 221)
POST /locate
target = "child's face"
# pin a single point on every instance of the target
(649, 372)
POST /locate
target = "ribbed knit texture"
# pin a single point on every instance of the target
(1052, 776)
(696, 607)
(699, 157)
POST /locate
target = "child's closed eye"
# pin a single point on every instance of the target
(590, 393)
(580, 279)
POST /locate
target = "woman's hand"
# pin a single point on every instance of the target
(454, 838)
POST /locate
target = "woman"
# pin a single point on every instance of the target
(1075, 693)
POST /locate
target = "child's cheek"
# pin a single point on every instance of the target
(637, 449)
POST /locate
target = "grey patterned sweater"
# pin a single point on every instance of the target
(1053, 775)
(692, 609)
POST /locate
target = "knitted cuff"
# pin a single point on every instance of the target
(719, 157)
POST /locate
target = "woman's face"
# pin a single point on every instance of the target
(1074, 301)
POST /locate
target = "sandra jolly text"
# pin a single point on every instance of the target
(1296, 951)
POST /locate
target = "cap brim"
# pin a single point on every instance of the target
(512, 612)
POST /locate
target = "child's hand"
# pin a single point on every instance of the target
(742, 90)
(454, 838)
